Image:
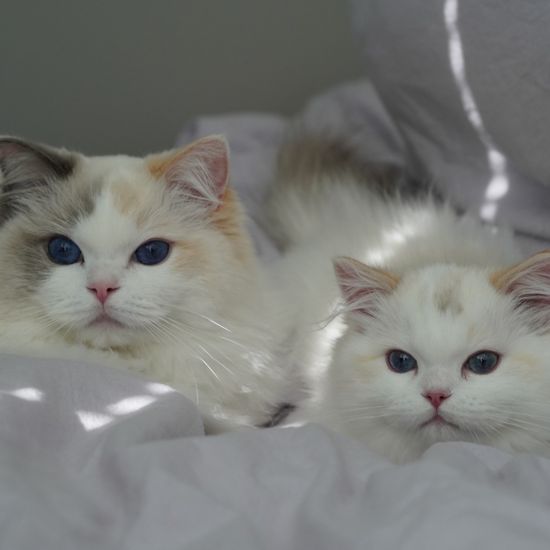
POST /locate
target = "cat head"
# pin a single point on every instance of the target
(114, 251)
(445, 353)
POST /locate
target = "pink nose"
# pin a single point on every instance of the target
(436, 397)
(102, 291)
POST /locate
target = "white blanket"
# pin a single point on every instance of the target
(92, 458)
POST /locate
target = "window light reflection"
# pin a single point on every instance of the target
(499, 183)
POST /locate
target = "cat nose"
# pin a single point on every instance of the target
(102, 291)
(435, 397)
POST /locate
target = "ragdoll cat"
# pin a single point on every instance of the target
(439, 343)
(140, 263)
(443, 353)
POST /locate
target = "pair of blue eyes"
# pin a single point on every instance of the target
(63, 251)
(480, 362)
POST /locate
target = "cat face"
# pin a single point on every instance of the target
(445, 353)
(119, 251)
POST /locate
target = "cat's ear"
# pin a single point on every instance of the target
(200, 170)
(25, 164)
(529, 284)
(26, 169)
(362, 286)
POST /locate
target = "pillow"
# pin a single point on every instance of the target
(467, 85)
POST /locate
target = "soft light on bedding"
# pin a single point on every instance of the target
(96, 458)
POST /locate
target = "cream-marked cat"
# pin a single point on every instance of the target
(139, 263)
(439, 341)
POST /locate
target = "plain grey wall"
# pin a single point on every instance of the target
(124, 75)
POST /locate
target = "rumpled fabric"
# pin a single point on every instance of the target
(92, 457)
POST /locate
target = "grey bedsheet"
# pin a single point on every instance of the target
(93, 458)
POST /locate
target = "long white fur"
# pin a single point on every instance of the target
(433, 255)
(201, 328)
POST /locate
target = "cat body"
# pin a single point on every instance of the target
(80, 241)
(435, 340)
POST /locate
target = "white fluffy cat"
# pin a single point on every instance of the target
(440, 342)
(140, 263)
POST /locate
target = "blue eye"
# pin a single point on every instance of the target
(400, 361)
(482, 362)
(152, 252)
(63, 251)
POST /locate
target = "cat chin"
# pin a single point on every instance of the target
(434, 432)
(110, 336)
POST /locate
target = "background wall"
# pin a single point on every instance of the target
(124, 75)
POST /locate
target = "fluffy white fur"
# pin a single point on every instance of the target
(196, 321)
(434, 288)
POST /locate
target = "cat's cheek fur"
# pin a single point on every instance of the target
(198, 275)
(507, 408)
(64, 298)
(148, 296)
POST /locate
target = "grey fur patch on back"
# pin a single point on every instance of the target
(306, 159)
(309, 165)
(28, 169)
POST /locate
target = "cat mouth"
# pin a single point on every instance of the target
(438, 420)
(105, 320)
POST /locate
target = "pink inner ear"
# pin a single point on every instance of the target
(355, 297)
(216, 163)
(537, 293)
(202, 170)
(7, 148)
(539, 300)
(530, 284)
(360, 284)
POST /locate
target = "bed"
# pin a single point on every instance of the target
(96, 458)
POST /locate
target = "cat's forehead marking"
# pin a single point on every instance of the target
(127, 197)
(440, 287)
(105, 228)
(446, 298)
(68, 203)
(58, 205)
(126, 180)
